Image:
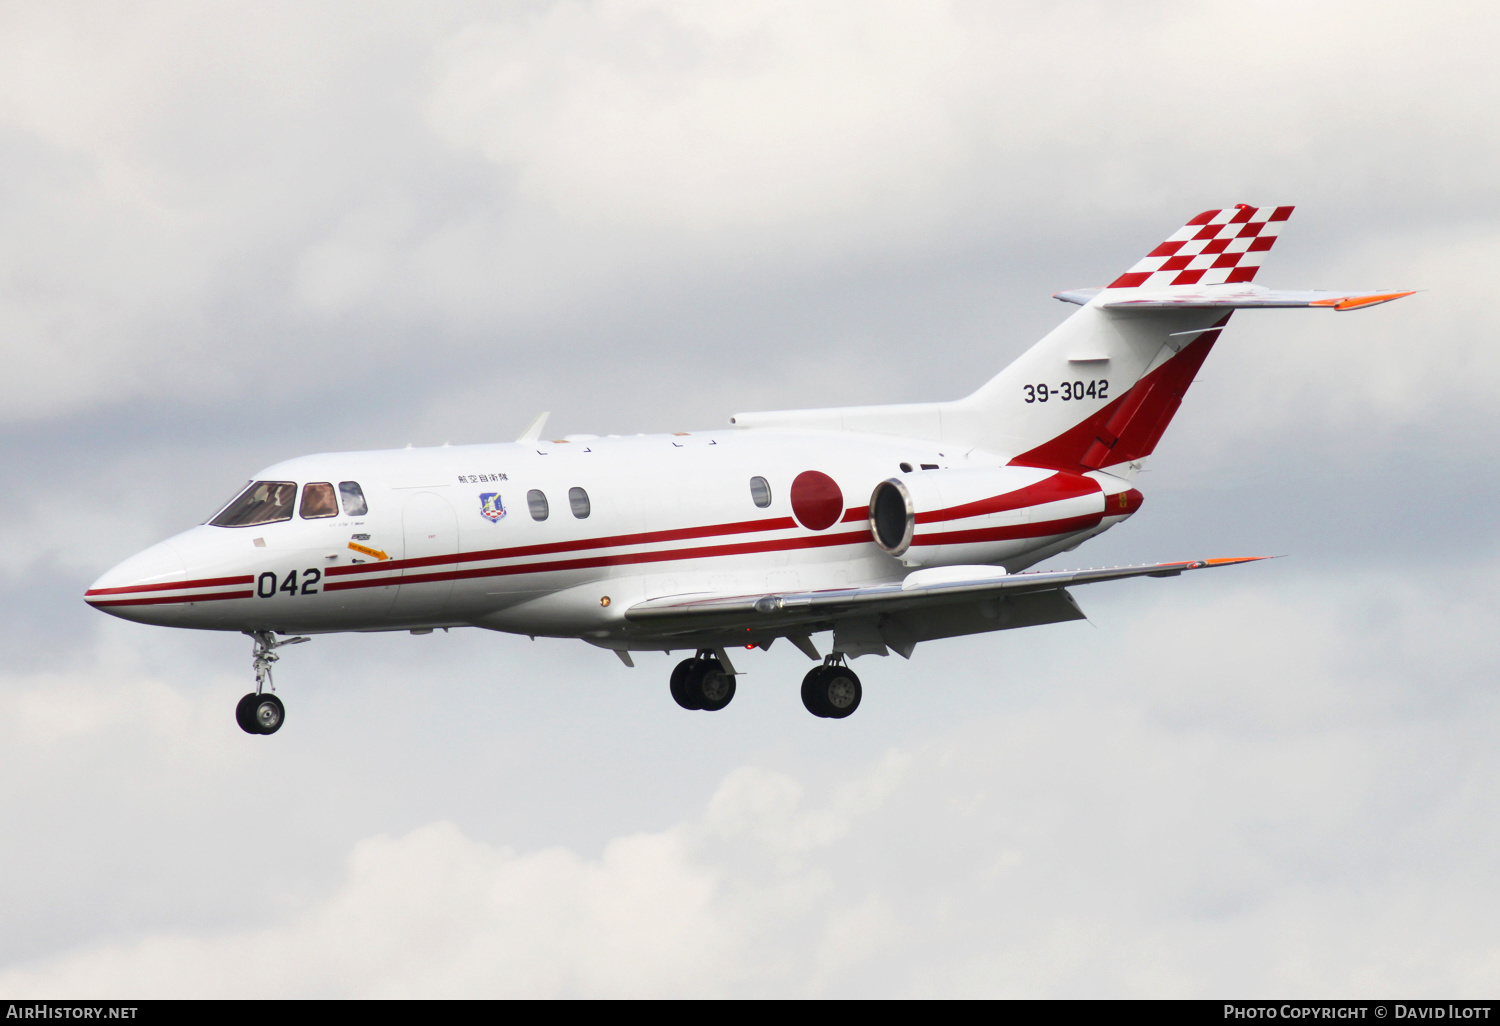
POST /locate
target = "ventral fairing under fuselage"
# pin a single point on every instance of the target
(887, 525)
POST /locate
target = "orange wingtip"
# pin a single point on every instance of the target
(1231, 560)
(1355, 302)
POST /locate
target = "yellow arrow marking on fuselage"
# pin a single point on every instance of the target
(367, 551)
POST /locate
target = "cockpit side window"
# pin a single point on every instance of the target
(318, 500)
(354, 499)
(263, 502)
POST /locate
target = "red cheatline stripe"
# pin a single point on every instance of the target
(208, 582)
(212, 597)
(989, 534)
(855, 513)
(620, 559)
(644, 538)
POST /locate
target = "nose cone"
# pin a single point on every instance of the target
(141, 587)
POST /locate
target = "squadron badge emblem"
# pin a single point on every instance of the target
(490, 507)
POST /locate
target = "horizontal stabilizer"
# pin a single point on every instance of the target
(921, 589)
(1226, 297)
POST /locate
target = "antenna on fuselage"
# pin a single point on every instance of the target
(534, 432)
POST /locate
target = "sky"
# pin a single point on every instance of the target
(236, 233)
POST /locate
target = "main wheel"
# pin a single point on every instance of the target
(681, 693)
(841, 692)
(831, 691)
(268, 713)
(813, 697)
(244, 715)
(710, 686)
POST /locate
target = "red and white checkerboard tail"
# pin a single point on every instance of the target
(1218, 247)
(1099, 390)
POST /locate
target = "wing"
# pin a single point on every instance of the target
(921, 591)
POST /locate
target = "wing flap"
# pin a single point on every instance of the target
(921, 590)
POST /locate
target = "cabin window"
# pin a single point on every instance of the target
(318, 500)
(263, 502)
(760, 492)
(536, 501)
(578, 500)
(906, 468)
(354, 499)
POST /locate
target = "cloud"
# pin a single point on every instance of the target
(241, 234)
(202, 202)
(1201, 812)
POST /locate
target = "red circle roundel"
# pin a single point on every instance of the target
(817, 502)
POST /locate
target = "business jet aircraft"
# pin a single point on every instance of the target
(888, 525)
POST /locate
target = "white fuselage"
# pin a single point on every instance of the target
(666, 515)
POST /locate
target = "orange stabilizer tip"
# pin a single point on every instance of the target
(1356, 302)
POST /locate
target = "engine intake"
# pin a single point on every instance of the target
(893, 516)
(988, 514)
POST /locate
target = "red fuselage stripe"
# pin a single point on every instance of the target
(644, 538)
(212, 597)
(209, 582)
(1011, 532)
(619, 559)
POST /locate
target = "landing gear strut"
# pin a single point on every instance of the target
(831, 690)
(261, 712)
(702, 683)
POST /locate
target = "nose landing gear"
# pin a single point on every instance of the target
(832, 690)
(261, 712)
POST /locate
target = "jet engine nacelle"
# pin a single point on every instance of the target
(988, 515)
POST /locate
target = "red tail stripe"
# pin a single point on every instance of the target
(1129, 426)
(1053, 489)
(207, 582)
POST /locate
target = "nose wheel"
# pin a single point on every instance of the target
(261, 712)
(832, 690)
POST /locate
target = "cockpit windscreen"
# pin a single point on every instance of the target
(263, 502)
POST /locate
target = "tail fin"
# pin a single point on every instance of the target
(1135, 347)
(1100, 389)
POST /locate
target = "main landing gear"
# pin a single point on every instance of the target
(261, 712)
(831, 690)
(702, 683)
